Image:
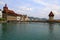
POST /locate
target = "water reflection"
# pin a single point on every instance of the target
(0, 30)
(51, 32)
(51, 28)
(29, 31)
(8, 31)
(4, 31)
(4, 27)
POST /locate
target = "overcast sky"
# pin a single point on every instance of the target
(35, 8)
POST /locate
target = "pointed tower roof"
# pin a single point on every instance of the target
(51, 14)
(5, 6)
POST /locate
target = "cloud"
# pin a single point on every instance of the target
(48, 6)
(36, 8)
(38, 11)
(25, 8)
(2, 3)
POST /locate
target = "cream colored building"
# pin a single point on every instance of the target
(18, 18)
(24, 18)
(27, 19)
(0, 13)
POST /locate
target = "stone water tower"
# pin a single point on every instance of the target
(51, 16)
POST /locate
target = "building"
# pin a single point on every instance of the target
(51, 16)
(24, 18)
(27, 18)
(10, 15)
(0, 13)
(19, 16)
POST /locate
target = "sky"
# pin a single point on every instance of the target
(34, 8)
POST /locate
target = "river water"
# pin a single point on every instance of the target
(29, 31)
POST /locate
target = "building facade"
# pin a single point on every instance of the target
(19, 17)
(10, 15)
(0, 13)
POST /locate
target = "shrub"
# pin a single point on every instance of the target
(2, 19)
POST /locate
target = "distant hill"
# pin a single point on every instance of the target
(37, 19)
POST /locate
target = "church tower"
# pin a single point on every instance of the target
(51, 16)
(5, 11)
(5, 8)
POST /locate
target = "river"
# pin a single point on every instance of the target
(30, 31)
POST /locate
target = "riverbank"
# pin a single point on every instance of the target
(3, 21)
(48, 21)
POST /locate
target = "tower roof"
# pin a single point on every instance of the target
(5, 5)
(51, 14)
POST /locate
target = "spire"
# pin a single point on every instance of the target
(5, 5)
(51, 14)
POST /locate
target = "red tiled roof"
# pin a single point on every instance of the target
(10, 12)
(51, 14)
